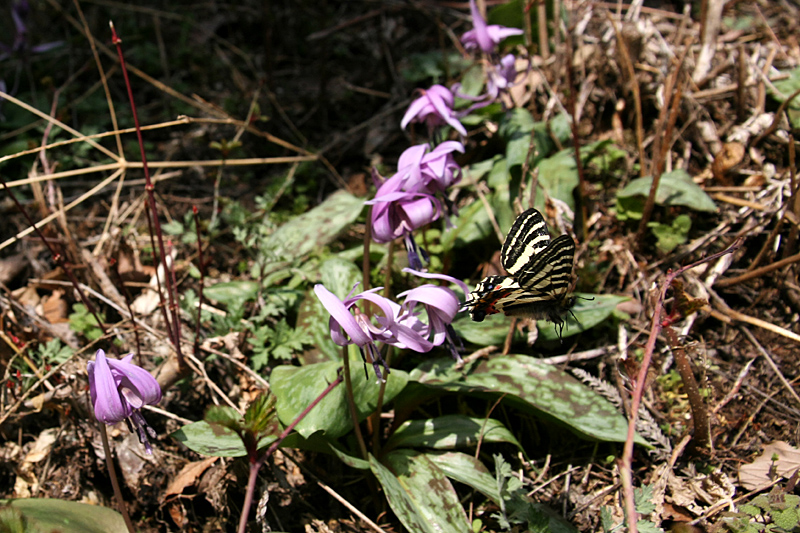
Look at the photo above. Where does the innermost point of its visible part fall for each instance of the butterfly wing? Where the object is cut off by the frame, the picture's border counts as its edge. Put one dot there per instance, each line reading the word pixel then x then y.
pixel 527 238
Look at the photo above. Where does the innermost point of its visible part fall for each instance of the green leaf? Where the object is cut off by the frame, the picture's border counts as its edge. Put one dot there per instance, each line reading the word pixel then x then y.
pixel 671 236
pixel 674 188
pixel 646 526
pixel 203 438
pixel 296 387
pixel 316 228
pixel 785 88
pixel 419 493
pixel 66 516
pixel 467 470
pixel 558 175
pixel 339 277
pixel 590 310
pixel 643 497
pixel 232 293
pixel 541 389
pixel 450 431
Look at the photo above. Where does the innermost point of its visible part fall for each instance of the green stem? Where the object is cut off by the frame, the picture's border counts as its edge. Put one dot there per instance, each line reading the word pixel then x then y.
pixel 112 473
pixel 351 403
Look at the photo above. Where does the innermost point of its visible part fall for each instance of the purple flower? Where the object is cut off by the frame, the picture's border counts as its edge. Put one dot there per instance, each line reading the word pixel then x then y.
pixel 501 76
pixel 356 328
pixel 119 389
pixel 435 108
pixel 397 212
pixel 441 305
pixel 429 172
pixel 483 36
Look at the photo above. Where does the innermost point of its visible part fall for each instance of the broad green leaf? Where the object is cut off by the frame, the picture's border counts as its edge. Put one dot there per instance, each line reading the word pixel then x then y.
pixel 420 490
pixel 67 516
pixel 232 293
pixel 674 188
pixel 296 387
pixel 467 470
pixel 492 330
pixel 215 441
pixel 542 389
pixel 590 310
pixel 471 225
pixel 448 432
pixel 558 175
pixel 401 502
pixel 339 277
pixel 316 228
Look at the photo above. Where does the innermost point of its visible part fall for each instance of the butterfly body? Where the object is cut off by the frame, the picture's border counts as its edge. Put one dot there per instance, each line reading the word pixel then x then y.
pixel 540 272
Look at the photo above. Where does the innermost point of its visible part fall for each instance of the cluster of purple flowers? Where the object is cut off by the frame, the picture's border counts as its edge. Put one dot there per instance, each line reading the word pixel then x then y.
pixel 411 198
pixel 395 324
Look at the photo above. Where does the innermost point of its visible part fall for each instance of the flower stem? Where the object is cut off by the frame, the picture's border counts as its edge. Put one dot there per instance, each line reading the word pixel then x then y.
pixel 351 403
pixel 112 473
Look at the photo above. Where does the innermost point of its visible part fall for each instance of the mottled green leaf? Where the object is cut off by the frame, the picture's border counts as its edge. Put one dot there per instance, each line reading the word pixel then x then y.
pixel 419 493
pixel 448 432
pixel 784 89
pixel 316 228
pixel 47 514
pixel 296 387
pixel 467 470
pixel 590 310
pixel 539 388
pixel 215 441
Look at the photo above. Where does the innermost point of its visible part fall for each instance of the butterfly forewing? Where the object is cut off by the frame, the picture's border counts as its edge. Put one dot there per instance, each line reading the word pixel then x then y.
pixel 527 238
pixel 550 271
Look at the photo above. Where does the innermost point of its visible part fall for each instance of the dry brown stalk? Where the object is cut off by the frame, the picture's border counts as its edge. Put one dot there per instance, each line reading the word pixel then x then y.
pixel 727 282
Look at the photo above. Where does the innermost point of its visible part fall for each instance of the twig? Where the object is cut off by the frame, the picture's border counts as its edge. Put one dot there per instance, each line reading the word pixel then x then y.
pixel 771 363
pixel 625 463
pixel 727 282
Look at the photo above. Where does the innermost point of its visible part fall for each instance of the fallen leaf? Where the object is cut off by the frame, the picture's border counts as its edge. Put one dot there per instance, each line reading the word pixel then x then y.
pixel 188 476
pixel 764 470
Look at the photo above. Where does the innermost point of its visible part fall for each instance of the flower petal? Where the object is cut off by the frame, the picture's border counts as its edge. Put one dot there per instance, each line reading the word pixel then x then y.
pixel 341 318
pixel 109 406
pixel 141 386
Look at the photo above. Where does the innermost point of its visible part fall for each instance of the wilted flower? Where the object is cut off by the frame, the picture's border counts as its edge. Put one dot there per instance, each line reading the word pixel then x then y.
pixel 435 108
pixel 484 36
pixel 119 389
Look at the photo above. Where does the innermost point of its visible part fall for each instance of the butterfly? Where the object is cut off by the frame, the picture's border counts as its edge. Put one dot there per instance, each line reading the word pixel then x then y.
pixel 540 273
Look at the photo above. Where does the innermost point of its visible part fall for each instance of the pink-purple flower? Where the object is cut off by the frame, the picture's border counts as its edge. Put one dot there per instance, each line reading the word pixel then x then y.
pixel 485 36
pixel 435 108
pixel 400 207
pixel 394 324
pixel 119 389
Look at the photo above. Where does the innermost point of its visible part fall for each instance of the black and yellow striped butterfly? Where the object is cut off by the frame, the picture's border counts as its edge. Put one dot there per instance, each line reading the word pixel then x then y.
pixel 540 275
